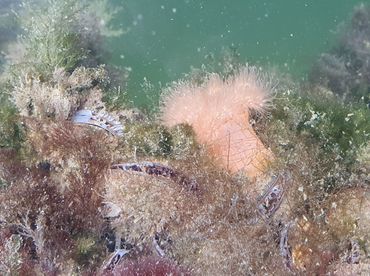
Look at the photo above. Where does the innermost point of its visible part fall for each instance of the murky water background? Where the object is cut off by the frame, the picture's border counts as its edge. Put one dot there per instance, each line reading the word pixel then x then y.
pixel 166 38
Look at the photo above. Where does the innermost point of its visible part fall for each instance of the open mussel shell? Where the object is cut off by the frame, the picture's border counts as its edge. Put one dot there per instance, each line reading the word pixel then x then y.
pixel 82 116
pixel 158 170
pixel 274 202
pixel 99 119
pixel 114 259
pixel 270 201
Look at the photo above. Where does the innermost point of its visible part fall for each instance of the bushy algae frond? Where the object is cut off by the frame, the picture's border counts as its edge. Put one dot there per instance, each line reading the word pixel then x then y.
pixel 61 34
pixel 55 182
pixel 345 69
pixel 63 95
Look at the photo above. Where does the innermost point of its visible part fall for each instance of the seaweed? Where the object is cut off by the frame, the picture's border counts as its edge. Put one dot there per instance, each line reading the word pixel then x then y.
pixel 330 131
pixel 57 208
pixel 11 130
pixel 138 195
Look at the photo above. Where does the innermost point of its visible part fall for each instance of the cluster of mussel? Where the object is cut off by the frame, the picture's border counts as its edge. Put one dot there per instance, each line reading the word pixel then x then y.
pixel 334 240
pixel 112 126
pixel 329 239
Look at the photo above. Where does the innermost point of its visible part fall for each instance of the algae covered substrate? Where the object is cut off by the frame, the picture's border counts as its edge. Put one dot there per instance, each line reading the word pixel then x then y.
pixel 165 39
pixel 253 157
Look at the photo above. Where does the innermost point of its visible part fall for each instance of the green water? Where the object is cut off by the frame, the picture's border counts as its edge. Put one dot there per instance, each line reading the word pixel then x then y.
pixel 166 38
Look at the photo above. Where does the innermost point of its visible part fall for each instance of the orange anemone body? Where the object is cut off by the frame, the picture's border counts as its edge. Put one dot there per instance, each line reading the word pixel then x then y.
pixel 218 111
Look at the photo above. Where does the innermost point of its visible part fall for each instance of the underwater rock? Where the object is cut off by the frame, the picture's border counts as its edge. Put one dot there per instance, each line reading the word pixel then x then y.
pixel 349 212
pixel 148 205
pixel 183 142
pixel 348 218
pixel 312 247
pixel 218 110
pixel 230 249
pixel 131 116
pixel 147 139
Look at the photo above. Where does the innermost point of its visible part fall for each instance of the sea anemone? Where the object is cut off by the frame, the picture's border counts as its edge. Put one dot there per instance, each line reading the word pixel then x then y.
pixel 219 112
